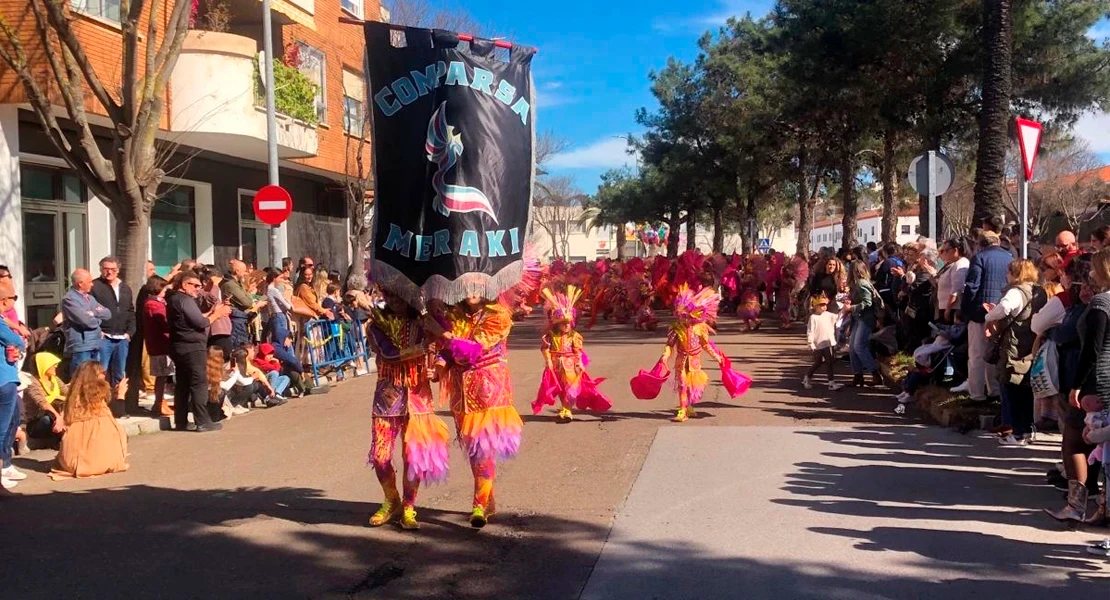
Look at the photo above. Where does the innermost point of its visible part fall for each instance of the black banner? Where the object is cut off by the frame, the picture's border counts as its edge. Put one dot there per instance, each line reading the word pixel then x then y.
pixel 453 131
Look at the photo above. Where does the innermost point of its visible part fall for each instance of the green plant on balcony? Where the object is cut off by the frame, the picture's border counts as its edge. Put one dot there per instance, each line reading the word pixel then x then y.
pixel 294 93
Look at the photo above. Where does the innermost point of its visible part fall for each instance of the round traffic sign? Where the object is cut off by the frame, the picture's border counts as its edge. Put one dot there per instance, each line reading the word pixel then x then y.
pixel 919 174
pixel 273 205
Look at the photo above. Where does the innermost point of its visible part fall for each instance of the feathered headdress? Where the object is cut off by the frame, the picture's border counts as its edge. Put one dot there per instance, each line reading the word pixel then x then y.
pixel 696 307
pixel 560 306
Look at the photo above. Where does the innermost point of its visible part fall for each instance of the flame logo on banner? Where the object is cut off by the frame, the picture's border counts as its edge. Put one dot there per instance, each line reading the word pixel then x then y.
pixel 444 146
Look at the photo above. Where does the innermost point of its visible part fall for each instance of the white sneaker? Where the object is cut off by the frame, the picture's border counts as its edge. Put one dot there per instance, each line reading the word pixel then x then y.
pixel 900 409
pixel 806 383
pixel 13 473
pixel 905 398
pixel 8 483
pixel 1013 442
pixel 963 388
pixel 239 410
pixel 833 386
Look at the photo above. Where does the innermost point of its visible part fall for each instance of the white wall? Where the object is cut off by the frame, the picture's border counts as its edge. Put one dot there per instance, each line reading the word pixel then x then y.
pixel 11 225
pixel 866 226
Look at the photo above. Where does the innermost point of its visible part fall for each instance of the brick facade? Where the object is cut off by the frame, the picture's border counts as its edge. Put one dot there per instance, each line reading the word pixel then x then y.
pixel 342 45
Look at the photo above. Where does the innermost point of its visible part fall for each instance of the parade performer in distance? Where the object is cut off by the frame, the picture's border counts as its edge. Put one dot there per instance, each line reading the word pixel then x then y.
pixel 565 375
pixel 695 314
pixel 474 377
pixel 750 306
pixel 403 409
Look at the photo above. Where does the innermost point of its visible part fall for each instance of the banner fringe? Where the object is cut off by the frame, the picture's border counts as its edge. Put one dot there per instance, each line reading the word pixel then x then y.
pixel 446 290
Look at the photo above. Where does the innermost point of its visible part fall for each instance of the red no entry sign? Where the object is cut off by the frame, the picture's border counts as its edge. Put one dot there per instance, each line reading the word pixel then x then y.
pixel 273 205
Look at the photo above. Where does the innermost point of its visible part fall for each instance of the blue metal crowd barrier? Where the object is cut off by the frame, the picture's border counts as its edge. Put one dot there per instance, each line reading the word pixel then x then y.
pixel 334 344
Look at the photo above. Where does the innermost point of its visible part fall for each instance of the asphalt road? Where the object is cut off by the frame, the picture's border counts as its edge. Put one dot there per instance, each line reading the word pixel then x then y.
pixel 275 505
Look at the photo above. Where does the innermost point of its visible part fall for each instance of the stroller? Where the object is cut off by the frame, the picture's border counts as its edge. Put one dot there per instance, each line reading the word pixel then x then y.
pixel 941 361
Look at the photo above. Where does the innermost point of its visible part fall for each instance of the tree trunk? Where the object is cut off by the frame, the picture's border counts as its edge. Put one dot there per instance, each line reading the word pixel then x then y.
pixel 132 239
pixel 994 112
pixel 718 228
pixel 806 205
pixel 672 237
pixel 691 232
pixel 848 196
pixel 750 232
pixel 890 191
pixel 621 241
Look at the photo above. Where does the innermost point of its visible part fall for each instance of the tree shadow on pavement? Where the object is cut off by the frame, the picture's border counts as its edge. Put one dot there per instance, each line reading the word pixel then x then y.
pixel 669 571
pixel 146 542
pixel 942 517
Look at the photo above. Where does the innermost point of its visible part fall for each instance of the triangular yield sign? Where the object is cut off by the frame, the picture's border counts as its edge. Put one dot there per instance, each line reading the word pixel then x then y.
pixel 1029 137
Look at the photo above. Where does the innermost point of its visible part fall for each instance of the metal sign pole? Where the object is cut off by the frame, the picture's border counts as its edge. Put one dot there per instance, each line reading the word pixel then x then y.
pixel 271 118
pixel 932 193
pixel 1023 192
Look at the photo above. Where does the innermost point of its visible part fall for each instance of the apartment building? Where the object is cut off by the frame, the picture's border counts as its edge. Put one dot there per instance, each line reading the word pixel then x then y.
pixel 213 134
pixel 829 233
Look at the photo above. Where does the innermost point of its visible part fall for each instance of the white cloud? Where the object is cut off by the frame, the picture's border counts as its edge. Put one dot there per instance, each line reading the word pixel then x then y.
pixel 549 96
pixel 607 153
pixel 1095 129
pixel 711 20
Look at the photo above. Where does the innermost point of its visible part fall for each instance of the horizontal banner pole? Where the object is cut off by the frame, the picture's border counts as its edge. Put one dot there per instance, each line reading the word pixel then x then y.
pixel 463 37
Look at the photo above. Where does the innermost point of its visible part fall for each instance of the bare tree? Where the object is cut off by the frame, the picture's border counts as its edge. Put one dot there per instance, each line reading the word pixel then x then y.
pixel 557 209
pixel 424 13
pixel 1067 182
pixel 53 66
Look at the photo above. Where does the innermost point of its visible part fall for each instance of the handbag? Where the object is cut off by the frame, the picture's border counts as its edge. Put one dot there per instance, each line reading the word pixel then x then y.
pixel 1044 374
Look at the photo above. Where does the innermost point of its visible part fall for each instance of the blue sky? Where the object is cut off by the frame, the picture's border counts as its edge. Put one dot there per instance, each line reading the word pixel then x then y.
pixel 591 72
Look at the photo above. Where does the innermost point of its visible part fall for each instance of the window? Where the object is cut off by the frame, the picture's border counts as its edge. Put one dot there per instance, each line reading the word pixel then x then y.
pixel 352 116
pixel 354 97
pixel 172 238
pixel 917 229
pixel 104 9
pixel 353 6
pixel 905 230
pixel 872 230
pixel 51 185
pixel 311 62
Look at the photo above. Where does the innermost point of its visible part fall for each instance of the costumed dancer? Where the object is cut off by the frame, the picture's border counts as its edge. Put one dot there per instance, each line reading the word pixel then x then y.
pixel 645 315
pixel 403 409
pixel 565 376
pixel 694 313
pixel 750 307
pixel 474 378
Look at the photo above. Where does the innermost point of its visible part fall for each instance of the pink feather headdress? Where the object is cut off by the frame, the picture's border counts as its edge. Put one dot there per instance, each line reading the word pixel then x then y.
pixel 560 306
pixel 696 307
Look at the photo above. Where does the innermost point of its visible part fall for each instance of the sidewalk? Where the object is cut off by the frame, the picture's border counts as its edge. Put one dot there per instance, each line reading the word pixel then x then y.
pixel 860 512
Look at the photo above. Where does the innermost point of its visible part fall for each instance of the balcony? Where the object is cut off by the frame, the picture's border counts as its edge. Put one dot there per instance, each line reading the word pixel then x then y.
pixel 212 101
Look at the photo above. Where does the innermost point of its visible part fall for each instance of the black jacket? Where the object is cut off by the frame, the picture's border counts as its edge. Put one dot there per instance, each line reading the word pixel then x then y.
pixel 188 325
pixel 123 310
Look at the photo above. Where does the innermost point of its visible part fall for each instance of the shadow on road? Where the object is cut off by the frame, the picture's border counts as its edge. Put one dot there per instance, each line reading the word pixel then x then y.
pixel 146 542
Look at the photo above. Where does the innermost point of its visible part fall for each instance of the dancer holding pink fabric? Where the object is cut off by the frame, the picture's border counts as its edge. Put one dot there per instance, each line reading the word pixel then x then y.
pixel 689 337
pixel 565 376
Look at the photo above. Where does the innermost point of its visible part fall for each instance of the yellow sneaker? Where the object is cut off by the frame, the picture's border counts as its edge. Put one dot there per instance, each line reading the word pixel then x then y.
pixel 690 411
pixel 478 518
pixel 385 514
pixel 680 416
pixel 565 414
pixel 408 518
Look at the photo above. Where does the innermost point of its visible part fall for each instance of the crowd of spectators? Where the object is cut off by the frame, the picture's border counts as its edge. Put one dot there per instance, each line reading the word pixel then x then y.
pixel 1026 339
pixel 206 344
